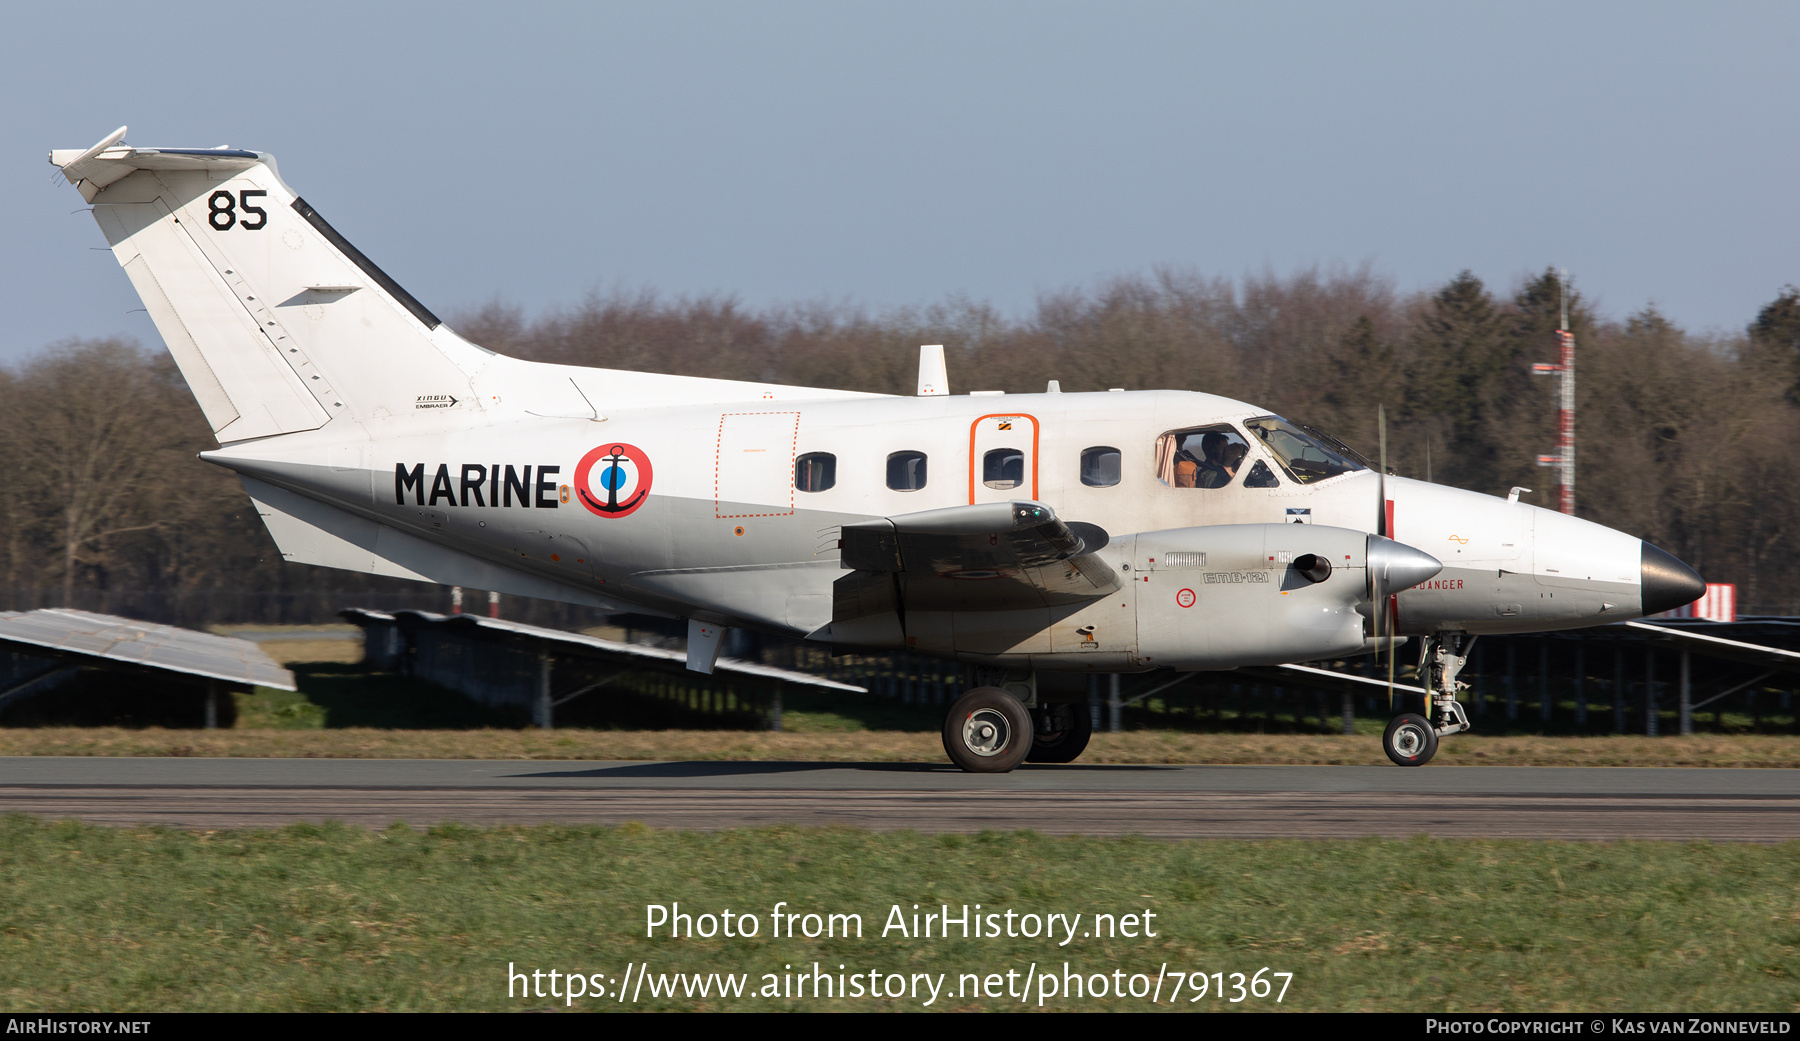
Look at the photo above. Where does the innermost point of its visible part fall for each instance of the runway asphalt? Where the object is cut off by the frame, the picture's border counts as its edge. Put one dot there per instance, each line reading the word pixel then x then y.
pixel 1245 802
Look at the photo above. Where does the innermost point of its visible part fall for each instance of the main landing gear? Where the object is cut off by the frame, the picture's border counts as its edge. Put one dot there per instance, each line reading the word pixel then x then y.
pixel 1002 721
pixel 1063 730
pixel 1411 739
pixel 988 731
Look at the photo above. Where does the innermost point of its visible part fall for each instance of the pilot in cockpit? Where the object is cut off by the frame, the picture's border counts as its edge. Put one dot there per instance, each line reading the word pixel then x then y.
pixel 1213 472
pixel 1204 458
pixel 1230 457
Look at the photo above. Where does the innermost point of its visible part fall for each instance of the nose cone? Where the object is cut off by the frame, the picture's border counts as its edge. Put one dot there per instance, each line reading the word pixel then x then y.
pixel 1668 583
pixel 1394 566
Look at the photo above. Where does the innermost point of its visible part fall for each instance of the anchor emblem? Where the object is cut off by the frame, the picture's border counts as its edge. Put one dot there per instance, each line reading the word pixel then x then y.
pixel 623 475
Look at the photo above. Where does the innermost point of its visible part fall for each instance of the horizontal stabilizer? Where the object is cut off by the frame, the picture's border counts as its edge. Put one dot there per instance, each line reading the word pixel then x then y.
pixel 90 170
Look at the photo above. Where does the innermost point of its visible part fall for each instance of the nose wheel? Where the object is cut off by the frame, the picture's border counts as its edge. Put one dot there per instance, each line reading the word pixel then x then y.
pixel 1409 740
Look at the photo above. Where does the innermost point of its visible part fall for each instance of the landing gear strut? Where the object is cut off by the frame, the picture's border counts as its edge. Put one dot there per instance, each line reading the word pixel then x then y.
pixel 1412 739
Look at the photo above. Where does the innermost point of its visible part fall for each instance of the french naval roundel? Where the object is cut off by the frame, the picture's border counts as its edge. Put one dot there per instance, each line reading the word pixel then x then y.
pixel 613 480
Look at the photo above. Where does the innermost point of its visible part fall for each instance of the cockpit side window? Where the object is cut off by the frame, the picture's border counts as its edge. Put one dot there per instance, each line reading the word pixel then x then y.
pixel 1306 458
pixel 1200 457
pixel 1260 476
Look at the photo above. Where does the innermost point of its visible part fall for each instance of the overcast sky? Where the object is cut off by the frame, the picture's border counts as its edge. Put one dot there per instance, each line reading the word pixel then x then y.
pixel 895 154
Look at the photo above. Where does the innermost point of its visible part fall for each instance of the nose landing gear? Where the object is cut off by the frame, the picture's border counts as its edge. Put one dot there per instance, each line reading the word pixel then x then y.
pixel 1411 739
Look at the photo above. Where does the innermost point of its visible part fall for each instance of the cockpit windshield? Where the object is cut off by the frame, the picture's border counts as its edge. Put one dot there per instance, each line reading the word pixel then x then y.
pixel 1307 455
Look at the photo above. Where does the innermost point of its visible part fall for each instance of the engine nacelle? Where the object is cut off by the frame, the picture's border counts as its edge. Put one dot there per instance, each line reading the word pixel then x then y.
pixel 1203 598
pixel 1222 596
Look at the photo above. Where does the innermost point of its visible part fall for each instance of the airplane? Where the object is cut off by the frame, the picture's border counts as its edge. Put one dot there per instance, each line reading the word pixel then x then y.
pixel 1037 539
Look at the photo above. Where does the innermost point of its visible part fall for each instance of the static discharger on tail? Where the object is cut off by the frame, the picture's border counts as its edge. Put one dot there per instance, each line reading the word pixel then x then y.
pixel 1037 538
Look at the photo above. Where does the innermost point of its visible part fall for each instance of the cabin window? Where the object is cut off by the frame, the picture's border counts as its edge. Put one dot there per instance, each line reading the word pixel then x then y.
pixel 1100 466
pixel 1201 457
pixel 1260 476
pixel 906 471
pixel 815 471
pixel 1306 454
pixel 1003 468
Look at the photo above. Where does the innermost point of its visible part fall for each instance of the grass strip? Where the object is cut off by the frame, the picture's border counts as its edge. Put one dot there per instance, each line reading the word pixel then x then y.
pixel 335 918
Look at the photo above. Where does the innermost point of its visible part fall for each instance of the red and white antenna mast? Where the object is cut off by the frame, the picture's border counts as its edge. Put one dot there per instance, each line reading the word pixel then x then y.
pixel 1564 458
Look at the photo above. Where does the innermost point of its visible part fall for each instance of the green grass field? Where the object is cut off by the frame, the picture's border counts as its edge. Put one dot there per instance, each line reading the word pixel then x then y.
pixel 315 918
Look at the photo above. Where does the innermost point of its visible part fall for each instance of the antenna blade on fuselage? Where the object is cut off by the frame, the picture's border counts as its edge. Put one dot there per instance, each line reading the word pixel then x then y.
pixel 934 377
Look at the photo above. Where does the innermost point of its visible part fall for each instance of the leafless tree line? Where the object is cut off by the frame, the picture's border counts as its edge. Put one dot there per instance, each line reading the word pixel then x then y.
pixel 1686 440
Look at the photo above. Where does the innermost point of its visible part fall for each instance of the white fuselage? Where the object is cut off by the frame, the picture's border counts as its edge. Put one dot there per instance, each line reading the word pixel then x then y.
pixel 722 532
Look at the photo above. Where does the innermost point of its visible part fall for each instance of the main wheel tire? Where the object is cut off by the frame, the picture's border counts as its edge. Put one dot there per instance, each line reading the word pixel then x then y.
pixel 1067 744
pixel 1409 740
pixel 987 731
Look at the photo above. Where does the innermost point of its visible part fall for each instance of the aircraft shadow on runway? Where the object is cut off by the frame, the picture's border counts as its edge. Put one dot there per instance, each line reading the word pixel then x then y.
pixel 739 769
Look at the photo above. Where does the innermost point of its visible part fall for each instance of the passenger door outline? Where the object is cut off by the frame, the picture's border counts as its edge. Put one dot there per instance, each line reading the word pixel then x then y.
pixel 999 430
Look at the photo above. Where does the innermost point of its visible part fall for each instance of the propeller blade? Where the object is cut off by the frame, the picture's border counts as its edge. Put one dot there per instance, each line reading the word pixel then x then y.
pixel 1380 585
pixel 1381 524
pixel 1390 657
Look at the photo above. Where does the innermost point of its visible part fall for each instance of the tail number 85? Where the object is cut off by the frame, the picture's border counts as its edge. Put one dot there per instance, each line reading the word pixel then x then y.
pixel 222 210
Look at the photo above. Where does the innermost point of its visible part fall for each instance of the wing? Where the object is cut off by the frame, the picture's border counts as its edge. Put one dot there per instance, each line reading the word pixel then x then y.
pixel 998 556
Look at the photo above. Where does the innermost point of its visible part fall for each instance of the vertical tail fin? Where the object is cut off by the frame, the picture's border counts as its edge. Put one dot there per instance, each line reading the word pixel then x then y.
pixel 278 324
